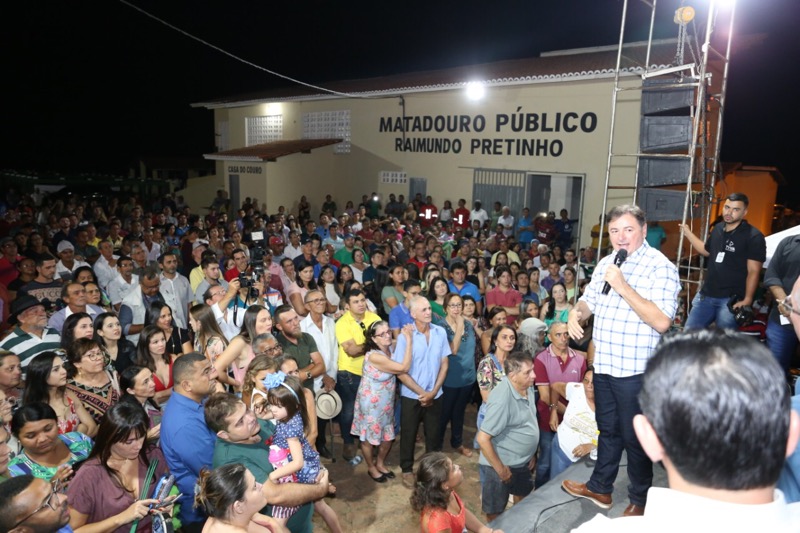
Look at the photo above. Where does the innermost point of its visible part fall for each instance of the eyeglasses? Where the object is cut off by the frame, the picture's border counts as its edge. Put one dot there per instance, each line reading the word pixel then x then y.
pixel 386 333
pixel 94 356
pixel 316 301
pixel 455 306
pixel 51 502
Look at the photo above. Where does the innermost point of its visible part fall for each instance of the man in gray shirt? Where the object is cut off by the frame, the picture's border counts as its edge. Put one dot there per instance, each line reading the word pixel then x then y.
pixel 509 437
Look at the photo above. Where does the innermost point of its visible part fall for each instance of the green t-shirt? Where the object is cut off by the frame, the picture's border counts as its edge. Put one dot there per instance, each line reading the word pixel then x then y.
pixel 301 351
pixel 256 458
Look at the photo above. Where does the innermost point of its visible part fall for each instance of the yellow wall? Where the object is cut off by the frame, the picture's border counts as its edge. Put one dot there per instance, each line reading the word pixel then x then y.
pixel 449 176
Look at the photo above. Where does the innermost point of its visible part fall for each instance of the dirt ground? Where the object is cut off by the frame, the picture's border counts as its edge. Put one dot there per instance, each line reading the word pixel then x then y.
pixel 366 506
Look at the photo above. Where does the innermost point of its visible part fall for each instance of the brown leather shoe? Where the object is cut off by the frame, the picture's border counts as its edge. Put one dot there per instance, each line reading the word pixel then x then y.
pixel 408 480
pixel 579 490
pixel 633 510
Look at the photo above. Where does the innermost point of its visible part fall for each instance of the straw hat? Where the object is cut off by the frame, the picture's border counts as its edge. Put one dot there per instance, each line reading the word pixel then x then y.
pixel 329 404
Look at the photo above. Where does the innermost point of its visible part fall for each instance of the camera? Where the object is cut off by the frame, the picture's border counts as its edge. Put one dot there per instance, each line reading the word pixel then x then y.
pixel 742 315
pixel 257 254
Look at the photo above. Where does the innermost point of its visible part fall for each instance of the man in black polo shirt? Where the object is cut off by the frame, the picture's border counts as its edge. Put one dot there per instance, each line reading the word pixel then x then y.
pixel 735 251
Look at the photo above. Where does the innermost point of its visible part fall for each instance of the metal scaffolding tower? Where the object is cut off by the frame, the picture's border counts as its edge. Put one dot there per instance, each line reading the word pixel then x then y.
pixel 679 140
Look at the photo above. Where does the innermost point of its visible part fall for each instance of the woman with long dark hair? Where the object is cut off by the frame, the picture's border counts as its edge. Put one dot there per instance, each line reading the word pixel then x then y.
pixel 160 314
pixel 137 385
pixel 239 353
pixel 436 500
pixel 557 307
pixel 231 498
pixel 46 382
pixel 105 494
pixel 45 454
pixel 304 280
pixel 119 351
pixel 151 353
pixel 392 292
pixel 326 282
pixel 76 326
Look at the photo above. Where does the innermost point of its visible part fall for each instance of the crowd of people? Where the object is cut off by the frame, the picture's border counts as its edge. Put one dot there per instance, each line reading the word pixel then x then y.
pixel 140 343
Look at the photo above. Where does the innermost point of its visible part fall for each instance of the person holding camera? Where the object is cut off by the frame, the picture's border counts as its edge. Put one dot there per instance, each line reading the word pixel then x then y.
pixel 735 252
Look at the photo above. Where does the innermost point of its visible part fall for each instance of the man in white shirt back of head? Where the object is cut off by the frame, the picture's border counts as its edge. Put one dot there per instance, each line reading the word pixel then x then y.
pixel 716 412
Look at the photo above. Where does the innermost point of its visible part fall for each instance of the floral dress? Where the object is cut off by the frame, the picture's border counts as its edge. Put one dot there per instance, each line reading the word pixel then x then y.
pixel 373 415
pixel 69 423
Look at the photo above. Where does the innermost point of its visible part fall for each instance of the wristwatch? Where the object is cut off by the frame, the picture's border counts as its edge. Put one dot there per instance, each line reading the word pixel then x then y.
pixel 308 374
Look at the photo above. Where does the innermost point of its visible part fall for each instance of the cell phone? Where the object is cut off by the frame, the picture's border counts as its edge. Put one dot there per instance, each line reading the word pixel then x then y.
pixel 169 500
pixel 162 489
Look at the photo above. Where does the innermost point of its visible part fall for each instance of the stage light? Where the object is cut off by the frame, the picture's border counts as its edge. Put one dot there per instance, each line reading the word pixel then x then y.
pixel 475 90
pixel 684 15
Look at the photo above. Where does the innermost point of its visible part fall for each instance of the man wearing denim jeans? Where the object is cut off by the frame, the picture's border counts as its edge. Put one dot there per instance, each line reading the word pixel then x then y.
pixel 782 272
pixel 350 334
pixel 735 252
pixel 629 319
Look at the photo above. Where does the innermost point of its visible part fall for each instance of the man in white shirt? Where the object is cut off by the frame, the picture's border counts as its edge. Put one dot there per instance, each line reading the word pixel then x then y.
pixel 67 263
pixel 478 214
pixel 294 248
pixel 716 412
pixel 125 282
pixel 106 265
pixel 323 329
pixel 175 289
pixel 507 220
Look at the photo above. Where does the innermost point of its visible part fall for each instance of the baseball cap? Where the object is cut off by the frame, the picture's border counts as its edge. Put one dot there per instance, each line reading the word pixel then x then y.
pixel 198 243
pixel 64 245
pixel 275 240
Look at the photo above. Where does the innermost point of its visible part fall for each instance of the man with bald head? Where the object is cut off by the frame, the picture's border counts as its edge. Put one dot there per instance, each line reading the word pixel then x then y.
pixel 421 391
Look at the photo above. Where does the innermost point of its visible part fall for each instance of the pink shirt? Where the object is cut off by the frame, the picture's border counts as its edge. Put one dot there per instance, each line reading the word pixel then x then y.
pixel 550 369
pixel 510 298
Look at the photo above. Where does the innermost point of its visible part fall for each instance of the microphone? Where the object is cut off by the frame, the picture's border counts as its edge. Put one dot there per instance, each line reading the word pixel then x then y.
pixel 622 255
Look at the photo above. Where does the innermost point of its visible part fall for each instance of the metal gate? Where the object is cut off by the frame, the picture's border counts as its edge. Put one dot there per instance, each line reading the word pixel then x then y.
pixel 508 187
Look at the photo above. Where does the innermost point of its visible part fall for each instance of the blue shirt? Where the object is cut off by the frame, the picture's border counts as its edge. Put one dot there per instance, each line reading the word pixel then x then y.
pixel 188 446
pixel 525 236
pixel 426 358
pixel 789 482
pixel 400 316
pixel 469 289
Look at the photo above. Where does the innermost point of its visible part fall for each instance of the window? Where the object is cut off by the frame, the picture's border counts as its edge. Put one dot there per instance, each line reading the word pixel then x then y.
pixel 222 140
pixel 329 125
pixel 264 129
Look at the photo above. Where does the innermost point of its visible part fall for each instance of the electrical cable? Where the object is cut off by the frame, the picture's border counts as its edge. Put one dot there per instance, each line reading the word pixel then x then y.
pixel 242 60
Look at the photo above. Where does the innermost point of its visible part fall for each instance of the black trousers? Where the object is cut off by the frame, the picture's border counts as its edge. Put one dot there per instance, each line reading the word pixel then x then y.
pixel 412 413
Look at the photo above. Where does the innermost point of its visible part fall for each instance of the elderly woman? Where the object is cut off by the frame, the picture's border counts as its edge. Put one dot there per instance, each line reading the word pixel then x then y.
pixel 89 379
pixel 557 363
pixel 46 382
pixel 45 453
pixel 373 418
pixel 460 378
pixel 105 493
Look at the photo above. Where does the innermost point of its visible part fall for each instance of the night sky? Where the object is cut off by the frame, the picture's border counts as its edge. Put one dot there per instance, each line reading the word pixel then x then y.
pixel 93 85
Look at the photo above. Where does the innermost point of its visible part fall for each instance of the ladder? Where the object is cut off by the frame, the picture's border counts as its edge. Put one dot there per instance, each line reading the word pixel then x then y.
pixel 676 148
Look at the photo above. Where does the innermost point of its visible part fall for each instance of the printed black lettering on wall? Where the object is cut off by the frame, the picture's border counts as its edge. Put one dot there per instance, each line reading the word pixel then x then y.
pixel 521 133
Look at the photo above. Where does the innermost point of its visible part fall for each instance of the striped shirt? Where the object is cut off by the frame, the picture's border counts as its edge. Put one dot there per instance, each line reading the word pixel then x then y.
pixel 623 342
pixel 28 346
